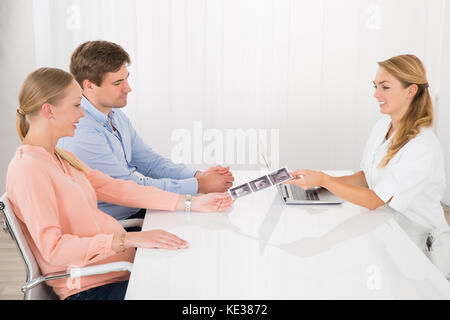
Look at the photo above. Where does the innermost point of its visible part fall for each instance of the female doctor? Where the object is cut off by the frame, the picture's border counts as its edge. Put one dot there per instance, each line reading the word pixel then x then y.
pixel 402 164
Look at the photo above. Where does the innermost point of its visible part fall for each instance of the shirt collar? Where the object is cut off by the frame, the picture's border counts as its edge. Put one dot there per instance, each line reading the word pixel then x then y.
pixel 95 113
pixel 388 127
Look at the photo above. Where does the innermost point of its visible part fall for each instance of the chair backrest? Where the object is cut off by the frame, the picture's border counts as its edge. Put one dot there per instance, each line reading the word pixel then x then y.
pixel 42 291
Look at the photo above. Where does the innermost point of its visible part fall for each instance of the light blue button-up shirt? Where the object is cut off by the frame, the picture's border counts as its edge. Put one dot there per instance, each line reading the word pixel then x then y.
pixel 123 155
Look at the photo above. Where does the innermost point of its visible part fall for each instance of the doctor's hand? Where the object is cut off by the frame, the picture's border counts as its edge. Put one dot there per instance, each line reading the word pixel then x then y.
pixel 212 202
pixel 306 179
pixel 215 179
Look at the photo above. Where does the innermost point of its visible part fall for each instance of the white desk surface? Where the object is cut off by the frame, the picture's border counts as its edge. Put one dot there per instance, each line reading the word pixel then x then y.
pixel 263 249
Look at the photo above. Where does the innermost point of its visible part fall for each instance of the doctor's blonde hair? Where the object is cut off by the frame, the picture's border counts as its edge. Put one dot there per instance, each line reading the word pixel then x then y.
pixel 44 85
pixel 408 69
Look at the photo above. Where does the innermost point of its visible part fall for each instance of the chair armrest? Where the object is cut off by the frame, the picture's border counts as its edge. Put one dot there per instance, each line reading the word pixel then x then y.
pixel 81 272
pixel 132 223
pixel 101 269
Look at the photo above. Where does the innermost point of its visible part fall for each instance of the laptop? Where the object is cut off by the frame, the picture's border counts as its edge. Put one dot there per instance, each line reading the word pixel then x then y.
pixel 292 194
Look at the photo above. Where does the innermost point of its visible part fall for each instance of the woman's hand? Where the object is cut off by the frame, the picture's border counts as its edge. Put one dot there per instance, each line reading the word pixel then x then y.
pixel 306 179
pixel 154 239
pixel 212 202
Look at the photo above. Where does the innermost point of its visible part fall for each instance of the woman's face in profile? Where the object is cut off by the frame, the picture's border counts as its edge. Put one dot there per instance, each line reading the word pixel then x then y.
pixel 68 111
pixel 392 97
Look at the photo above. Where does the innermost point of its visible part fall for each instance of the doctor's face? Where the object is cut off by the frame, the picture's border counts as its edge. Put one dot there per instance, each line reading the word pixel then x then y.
pixel 393 98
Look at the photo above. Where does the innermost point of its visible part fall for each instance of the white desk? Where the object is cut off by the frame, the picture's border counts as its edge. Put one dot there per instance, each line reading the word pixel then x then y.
pixel 263 249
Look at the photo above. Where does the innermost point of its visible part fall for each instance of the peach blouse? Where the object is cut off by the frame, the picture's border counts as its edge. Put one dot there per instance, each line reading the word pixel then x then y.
pixel 60 219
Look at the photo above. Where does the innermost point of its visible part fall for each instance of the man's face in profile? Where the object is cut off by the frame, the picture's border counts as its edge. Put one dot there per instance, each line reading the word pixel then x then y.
pixel 113 91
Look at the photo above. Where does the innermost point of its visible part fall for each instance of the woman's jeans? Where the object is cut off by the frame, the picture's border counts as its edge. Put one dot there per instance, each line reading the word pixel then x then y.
pixel 112 291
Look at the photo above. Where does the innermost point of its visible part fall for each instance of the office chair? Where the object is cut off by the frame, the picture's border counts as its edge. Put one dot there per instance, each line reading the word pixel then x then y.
pixel 437 249
pixel 35 287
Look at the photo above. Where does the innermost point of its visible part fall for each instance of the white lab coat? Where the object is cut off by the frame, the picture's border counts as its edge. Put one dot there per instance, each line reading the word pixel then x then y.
pixel 414 179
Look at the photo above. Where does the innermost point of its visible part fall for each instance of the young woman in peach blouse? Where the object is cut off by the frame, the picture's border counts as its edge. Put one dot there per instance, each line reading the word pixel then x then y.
pixel 55 195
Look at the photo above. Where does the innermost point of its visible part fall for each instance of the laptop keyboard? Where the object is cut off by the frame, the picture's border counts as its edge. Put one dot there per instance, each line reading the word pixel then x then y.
pixel 300 194
pixel 312 195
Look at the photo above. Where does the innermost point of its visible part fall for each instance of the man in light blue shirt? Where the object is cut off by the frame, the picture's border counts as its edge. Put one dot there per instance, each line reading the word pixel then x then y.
pixel 106 140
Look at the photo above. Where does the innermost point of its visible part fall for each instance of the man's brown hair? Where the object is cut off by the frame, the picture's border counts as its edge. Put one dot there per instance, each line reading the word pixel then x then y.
pixel 92 59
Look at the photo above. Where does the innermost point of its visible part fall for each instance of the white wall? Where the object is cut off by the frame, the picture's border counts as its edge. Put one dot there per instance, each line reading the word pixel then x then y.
pixel 16 61
pixel 443 113
pixel 304 68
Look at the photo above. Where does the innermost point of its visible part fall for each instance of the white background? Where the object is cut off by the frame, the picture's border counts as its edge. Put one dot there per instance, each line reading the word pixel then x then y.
pixel 302 69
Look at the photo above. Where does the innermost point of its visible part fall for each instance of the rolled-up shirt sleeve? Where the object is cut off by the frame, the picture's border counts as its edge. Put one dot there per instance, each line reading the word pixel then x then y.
pixel 404 179
pixel 40 213
pixel 167 175
pixel 152 164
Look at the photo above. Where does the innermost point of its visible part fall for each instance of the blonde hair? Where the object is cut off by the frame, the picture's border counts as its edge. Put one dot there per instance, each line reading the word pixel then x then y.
pixel 408 69
pixel 44 85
